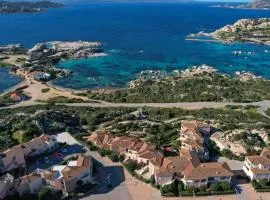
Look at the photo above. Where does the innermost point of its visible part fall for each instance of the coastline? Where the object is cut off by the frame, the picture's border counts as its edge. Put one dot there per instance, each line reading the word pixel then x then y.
pixel 13 88
pixel 50 84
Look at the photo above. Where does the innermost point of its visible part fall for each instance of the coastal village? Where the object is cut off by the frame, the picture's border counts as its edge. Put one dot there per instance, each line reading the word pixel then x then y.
pixel 190 167
pixel 205 160
pixel 190 133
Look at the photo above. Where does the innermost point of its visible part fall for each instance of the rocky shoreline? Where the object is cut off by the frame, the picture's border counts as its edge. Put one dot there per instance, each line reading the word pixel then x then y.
pixel 39 61
pixel 244 30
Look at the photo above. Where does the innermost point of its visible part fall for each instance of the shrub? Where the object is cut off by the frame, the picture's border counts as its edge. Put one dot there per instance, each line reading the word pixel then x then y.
pixel 45 90
pixel 113 157
pixel 255 184
pixel 186 193
pixel 169 190
pixel 93 148
pixel 102 152
pixel 131 165
pixel 262 190
pixel 153 180
pixel 223 192
pixel 203 193
pixel 263 183
pixel 121 158
pixel 220 187
pixel 47 193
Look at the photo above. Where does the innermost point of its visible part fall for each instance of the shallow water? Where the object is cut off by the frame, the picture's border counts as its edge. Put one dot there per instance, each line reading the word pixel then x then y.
pixel 137 37
pixel 7 80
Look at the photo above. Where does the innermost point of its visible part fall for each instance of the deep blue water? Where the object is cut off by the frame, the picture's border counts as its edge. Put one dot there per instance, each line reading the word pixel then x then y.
pixel 137 37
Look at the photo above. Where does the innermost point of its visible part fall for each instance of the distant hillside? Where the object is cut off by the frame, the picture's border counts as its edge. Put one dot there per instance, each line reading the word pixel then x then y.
pixel 255 4
pixel 259 4
pixel 27 7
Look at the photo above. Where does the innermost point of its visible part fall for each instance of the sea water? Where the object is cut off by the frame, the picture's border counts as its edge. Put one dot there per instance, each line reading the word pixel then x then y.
pixel 136 37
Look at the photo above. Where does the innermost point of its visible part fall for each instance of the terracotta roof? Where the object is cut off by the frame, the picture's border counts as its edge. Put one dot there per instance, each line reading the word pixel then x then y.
pixel 27 179
pixel 154 156
pixel 102 137
pixel 15 97
pixel 172 165
pixel 256 160
pixel 137 146
pixel 194 144
pixel 266 152
pixel 258 171
pixel 207 170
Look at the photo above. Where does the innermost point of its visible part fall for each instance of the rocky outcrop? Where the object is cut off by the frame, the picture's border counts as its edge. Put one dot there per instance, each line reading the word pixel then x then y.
pixel 249 30
pixel 41 58
pixel 244 30
pixel 12 49
pixel 51 52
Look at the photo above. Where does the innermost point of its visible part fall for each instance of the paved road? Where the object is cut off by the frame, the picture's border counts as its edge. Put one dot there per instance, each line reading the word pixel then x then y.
pixel 186 105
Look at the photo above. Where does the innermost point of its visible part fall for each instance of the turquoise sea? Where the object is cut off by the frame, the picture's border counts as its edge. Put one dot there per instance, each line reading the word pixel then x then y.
pixel 136 37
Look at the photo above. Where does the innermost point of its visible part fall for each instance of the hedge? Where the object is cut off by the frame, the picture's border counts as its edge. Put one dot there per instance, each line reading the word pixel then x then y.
pixel 262 190
pixel 223 192
pixel 186 193
pixel 202 193
pixel 206 193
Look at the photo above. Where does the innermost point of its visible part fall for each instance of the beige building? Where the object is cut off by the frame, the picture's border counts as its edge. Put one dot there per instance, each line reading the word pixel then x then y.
pixel 192 137
pixel 132 148
pixel 99 139
pixel 14 157
pixel 197 174
pixel 68 177
pixel 258 167
pixel 31 183
pixel 170 170
pixel 39 145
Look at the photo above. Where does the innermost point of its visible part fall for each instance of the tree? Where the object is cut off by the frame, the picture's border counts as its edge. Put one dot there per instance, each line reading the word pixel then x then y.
pixel 113 157
pixel 44 194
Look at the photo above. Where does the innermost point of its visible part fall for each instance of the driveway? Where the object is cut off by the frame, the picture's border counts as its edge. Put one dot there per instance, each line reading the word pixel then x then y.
pixel 72 148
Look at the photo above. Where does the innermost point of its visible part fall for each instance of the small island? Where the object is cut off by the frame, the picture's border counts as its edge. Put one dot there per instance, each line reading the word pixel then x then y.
pixel 244 30
pixel 27 7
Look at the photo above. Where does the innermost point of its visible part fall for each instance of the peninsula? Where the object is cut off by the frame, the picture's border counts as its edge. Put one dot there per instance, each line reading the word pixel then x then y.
pixel 37 67
pixel 244 30
pixel 27 7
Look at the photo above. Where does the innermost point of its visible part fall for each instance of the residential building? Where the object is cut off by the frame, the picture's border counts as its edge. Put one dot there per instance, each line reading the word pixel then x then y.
pixel 31 183
pixel 198 174
pixel 192 137
pixel 14 157
pixel 68 177
pixel 6 185
pixel 258 167
pixel 40 145
pixel 170 170
pixel 99 139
